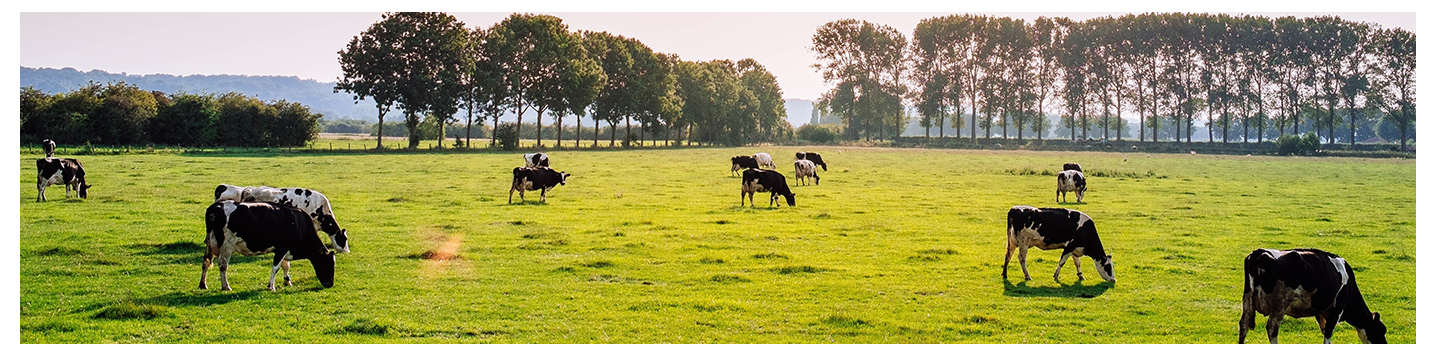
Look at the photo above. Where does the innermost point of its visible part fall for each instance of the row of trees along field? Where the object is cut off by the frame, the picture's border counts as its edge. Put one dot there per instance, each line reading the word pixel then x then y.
pixel 432 65
pixel 119 113
pixel 1239 72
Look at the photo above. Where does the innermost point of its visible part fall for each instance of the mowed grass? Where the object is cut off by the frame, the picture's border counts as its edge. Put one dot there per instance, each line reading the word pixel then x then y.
pixel 651 246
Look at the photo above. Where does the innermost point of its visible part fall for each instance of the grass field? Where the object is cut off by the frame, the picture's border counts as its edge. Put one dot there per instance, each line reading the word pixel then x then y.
pixel 650 246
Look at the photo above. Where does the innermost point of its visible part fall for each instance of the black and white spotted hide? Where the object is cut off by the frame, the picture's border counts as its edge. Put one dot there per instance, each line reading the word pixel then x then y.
pixel 1301 283
pixel 253 229
pixel 814 157
pixel 743 162
pixel 535 159
pixel 49 146
pixel 758 180
pixel 1071 166
pixel 763 159
pixel 56 171
pixel 539 178
pixel 1070 181
pixel 308 200
pixel 806 169
pixel 1051 228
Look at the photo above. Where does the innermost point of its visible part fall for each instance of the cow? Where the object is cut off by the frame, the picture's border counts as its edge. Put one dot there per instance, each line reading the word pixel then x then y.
pixel 814 157
pixel 254 229
pixel 49 146
pixel 757 180
pixel 1071 166
pixel 535 159
pixel 1305 282
pixel 1050 228
pixel 742 161
pixel 806 169
pixel 1070 181
pixel 56 171
pixel 763 159
pixel 309 200
pixel 540 178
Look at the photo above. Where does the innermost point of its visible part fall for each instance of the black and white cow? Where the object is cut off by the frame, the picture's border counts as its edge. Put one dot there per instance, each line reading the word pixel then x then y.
pixel 535 159
pixel 56 171
pixel 763 159
pixel 49 146
pixel 1070 181
pixel 540 179
pixel 254 229
pixel 1301 283
pixel 308 200
pixel 806 169
pixel 1052 228
pixel 814 157
pixel 758 180
pixel 743 162
pixel 1071 166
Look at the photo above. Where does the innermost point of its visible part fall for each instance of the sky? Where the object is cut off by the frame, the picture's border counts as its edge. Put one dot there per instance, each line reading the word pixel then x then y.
pixel 306 44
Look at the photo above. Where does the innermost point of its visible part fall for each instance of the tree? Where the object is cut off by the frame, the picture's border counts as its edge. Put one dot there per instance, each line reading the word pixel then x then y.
pixel 1393 89
pixel 868 58
pixel 771 111
pixel 581 80
pixel 372 66
pixel 481 82
pixel 189 120
pixel 413 60
pixel 537 51
pixel 614 99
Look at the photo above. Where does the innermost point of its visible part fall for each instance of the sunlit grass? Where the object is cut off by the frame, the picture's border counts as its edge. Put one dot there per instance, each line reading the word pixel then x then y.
pixel 650 246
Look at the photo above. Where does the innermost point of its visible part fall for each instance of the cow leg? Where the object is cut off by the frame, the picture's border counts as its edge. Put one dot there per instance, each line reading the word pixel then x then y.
pixel 223 262
pixel 510 196
pixel 67 190
pixel 274 270
pixel 1079 276
pixel 285 266
pixel 543 195
pixel 41 186
pixel 1057 275
pixel 209 253
pixel 1273 325
pixel 1021 257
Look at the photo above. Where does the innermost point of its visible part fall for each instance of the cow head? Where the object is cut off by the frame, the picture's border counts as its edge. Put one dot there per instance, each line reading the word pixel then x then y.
pixel 1106 268
pixel 1374 332
pixel 324 268
pixel 563 178
pixel 791 199
pixel 84 190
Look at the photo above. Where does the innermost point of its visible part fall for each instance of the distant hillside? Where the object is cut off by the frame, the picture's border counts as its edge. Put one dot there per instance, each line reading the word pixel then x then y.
pixel 319 96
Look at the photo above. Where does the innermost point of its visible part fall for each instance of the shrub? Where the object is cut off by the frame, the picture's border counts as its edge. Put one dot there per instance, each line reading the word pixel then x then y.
pixel 817 133
pixel 1298 145
pixel 507 136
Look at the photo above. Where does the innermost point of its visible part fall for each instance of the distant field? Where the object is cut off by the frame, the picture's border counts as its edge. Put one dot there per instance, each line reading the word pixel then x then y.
pixel 650 246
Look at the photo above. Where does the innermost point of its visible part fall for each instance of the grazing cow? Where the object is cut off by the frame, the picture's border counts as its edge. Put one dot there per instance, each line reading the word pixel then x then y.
pixel 742 161
pixel 1070 181
pixel 763 159
pixel 1305 282
pixel 535 159
pixel 49 146
pixel 1051 228
pixel 254 229
pixel 757 180
pixel 540 178
pixel 814 157
pixel 56 171
pixel 805 169
pixel 309 200
pixel 1071 166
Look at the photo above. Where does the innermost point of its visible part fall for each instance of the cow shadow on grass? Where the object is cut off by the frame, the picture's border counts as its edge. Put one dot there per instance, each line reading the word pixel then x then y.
pixel 525 203
pixel 1078 290
pixel 197 298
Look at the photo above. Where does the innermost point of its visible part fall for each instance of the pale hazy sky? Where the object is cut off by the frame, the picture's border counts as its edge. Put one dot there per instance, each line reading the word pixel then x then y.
pixel 306 44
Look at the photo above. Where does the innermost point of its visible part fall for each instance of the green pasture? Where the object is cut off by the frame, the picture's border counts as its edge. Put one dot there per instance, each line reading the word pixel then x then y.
pixel 651 246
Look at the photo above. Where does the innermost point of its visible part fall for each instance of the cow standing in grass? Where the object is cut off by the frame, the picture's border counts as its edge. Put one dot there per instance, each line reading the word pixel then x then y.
pixel 1070 181
pixel 814 157
pixel 49 146
pixel 254 229
pixel 1301 283
pixel 308 200
pixel 56 171
pixel 806 169
pixel 1051 228
pixel 743 162
pixel 540 179
pixel 757 180
pixel 763 159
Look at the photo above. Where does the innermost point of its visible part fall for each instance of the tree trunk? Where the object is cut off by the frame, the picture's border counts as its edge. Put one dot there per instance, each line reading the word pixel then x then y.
pixel 539 136
pixel 412 121
pixel 558 123
pixel 381 128
pixel 595 132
